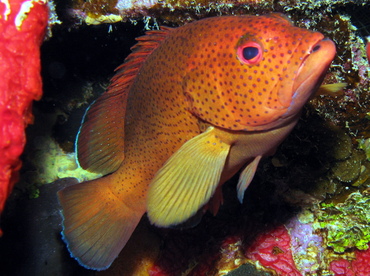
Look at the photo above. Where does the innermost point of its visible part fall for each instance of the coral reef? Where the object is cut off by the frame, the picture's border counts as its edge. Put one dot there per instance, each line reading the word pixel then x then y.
pixel 358 266
pixel 181 11
pixel 272 250
pixel 347 223
pixel 45 160
pixel 22 28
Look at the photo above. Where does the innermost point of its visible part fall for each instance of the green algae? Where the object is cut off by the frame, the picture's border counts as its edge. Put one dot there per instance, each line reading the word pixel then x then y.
pixel 347 223
pixel 50 163
pixel 364 144
pixel 33 191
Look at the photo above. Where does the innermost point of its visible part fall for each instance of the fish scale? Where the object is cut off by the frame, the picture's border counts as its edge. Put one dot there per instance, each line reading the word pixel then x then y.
pixel 248 110
pixel 188 109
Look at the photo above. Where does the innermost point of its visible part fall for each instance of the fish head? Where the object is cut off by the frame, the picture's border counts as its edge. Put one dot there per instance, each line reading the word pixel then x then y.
pixel 254 73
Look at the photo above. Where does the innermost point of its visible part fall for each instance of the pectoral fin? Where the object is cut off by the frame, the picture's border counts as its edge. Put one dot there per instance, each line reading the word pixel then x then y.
pixel 246 177
pixel 187 180
pixel 333 89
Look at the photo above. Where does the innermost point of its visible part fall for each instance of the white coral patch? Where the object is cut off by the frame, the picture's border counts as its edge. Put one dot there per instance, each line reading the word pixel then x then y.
pixel 24 11
pixel 7 8
pixel 130 4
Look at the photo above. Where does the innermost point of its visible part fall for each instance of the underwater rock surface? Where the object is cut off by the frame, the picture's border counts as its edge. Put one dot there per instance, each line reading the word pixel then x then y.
pixel 181 11
pixel 305 213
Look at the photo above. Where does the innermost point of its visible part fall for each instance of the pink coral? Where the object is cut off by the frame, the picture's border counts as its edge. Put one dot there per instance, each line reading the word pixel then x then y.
pixel 359 267
pixel 272 250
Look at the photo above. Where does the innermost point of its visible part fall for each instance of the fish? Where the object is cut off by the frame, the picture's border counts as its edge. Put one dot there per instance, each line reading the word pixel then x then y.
pixel 331 90
pixel 368 49
pixel 189 108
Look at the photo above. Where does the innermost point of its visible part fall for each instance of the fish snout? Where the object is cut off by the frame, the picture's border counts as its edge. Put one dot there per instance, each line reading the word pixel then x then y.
pixel 311 72
pixel 314 67
pixel 326 45
pixel 314 58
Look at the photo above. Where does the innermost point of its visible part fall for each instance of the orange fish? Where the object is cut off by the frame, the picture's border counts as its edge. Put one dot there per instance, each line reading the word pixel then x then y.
pixel 188 109
pixel 368 49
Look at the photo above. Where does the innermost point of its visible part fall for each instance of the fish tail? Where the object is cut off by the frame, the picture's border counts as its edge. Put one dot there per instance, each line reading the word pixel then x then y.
pixel 96 224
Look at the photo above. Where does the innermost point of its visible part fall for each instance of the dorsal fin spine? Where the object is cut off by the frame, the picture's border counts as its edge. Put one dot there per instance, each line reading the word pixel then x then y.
pixel 127 72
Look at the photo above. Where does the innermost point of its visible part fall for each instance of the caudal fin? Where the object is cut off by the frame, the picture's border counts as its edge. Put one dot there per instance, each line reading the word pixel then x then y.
pixel 96 224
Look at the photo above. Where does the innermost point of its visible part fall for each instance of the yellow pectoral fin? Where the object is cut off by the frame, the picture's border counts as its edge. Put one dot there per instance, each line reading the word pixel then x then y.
pixel 187 180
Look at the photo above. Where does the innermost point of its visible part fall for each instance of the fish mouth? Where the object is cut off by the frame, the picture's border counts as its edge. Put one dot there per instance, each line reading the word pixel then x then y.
pixel 311 72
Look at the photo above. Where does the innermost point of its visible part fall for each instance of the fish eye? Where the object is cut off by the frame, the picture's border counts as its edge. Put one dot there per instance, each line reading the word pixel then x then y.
pixel 249 53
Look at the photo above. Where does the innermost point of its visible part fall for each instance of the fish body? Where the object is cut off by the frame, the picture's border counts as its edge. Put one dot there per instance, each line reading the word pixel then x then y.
pixel 368 49
pixel 188 109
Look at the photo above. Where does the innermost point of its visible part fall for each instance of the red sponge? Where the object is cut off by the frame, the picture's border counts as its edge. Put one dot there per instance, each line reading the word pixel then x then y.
pixel 22 28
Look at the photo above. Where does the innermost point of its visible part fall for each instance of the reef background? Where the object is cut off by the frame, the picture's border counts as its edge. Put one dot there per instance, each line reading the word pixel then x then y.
pixel 305 213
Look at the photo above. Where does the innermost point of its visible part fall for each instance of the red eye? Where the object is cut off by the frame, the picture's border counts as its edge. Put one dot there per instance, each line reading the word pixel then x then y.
pixel 250 53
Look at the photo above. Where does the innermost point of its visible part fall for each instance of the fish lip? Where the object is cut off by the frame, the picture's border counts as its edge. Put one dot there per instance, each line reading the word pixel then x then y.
pixel 284 97
pixel 324 48
pixel 311 72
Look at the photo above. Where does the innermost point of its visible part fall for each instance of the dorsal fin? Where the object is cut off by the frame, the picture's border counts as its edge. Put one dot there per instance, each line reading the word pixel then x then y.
pixel 100 141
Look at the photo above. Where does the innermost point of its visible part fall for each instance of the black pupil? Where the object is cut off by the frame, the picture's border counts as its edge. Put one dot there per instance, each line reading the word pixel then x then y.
pixel 250 52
